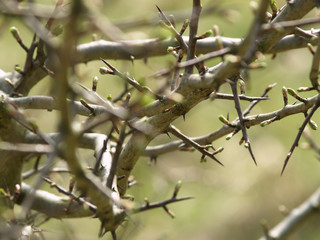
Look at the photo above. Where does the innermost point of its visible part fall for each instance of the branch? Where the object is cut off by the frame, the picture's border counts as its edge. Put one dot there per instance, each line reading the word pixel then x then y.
pixel 196 10
pixel 172 129
pixel 304 124
pixel 52 205
pixel 295 218
pixel 225 129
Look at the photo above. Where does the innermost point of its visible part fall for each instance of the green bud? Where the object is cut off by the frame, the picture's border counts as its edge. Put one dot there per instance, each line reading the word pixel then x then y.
pixel 223 119
pixel 58 30
pixel 219 150
pixel 313 125
pixel 246 145
pixel 17 68
pixel 229 136
pixel 292 92
pixel 170 49
pixel 109 97
pixel 265 123
pixel 15 33
pixel 273 5
pixel 186 23
pixel 208 33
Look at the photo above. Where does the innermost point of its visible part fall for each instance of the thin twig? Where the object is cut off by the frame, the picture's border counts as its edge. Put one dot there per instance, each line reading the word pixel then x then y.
pixel 241 119
pixel 179 38
pixel 194 21
pixel 132 82
pixel 301 129
pixel 70 194
pixel 249 108
pixel 242 97
pixel 208 56
pixel 116 156
pixel 159 204
pixel 290 24
pixel 172 129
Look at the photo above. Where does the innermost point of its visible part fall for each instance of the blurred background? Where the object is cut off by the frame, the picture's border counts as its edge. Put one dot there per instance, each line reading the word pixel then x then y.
pixel 231 201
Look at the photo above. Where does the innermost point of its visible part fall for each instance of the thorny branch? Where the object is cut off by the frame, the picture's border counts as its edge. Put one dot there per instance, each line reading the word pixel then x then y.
pixel 194 89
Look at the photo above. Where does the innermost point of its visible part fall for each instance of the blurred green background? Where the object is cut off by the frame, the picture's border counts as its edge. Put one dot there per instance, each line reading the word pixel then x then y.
pixel 229 202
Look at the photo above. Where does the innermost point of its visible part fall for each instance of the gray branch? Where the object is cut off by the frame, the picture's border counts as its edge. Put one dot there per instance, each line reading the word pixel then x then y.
pixel 295 218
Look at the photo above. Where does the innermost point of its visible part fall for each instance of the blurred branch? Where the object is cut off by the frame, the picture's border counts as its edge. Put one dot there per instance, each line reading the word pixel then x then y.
pixel 295 218
pixel 179 15
pixel 193 27
pixel 49 103
pixel 53 205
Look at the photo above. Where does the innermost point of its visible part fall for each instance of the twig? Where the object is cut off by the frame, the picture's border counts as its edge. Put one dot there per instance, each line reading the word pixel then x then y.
pixel 101 152
pixel 241 97
pixel 194 21
pixel 177 35
pixel 241 119
pixel 290 24
pixel 224 130
pixel 249 108
pixel 189 141
pixel 163 204
pixel 132 82
pixel 116 156
pixel 70 194
pixel 296 141
pixel 32 172
pixel 208 56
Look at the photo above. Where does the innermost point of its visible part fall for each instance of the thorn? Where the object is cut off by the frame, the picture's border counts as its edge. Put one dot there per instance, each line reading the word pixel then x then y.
pixel 168 135
pixel 286 162
pixel 184 117
pixel 248 145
